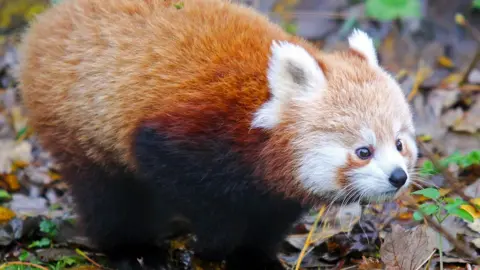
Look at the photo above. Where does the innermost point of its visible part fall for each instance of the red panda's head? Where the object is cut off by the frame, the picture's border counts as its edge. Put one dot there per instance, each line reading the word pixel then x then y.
pixel 353 136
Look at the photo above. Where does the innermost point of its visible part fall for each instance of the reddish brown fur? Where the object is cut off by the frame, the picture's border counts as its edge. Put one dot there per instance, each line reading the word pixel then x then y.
pixel 118 63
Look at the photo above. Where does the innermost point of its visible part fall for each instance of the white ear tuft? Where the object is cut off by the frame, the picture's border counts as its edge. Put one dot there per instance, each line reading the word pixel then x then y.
pixel 292 70
pixel 292 74
pixel 362 43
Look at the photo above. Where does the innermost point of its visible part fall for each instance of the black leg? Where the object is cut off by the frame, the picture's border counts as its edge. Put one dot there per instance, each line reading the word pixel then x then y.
pixel 264 235
pixel 252 258
pixel 117 213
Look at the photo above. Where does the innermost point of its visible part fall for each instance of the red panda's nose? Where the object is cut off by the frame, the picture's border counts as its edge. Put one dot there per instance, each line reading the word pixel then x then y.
pixel 398 178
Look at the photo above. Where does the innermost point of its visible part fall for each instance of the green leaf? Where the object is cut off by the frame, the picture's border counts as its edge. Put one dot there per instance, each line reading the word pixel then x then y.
pixel 428 169
pixel 456 158
pixel 4 195
pixel 179 5
pixel 386 10
pixel 475 154
pixel 454 205
pixel 23 255
pixel 48 227
pixel 21 132
pixel 70 260
pixel 417 216
pixel 290 28
pixel 462 214
pixel 429 209
pixel 44 242
pixel 476 4
pixel 431 193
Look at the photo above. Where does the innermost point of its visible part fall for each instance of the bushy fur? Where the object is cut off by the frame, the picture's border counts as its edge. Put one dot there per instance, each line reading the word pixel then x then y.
pixel 208 113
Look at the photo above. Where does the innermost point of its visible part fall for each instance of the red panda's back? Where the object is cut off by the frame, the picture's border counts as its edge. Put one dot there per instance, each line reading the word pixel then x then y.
pixel 92 69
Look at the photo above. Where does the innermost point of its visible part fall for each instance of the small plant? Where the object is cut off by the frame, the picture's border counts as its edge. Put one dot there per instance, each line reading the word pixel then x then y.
pixel 463 161
pixel 386 10
pixel 50 230
pixel 476 4
pixel 440 207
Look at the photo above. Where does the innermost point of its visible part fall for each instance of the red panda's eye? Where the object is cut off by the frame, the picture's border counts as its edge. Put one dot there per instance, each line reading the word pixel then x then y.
pixel 363 153
pixel 399 145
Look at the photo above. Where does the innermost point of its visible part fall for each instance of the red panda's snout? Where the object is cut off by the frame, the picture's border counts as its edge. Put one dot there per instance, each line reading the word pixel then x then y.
pixel 354 137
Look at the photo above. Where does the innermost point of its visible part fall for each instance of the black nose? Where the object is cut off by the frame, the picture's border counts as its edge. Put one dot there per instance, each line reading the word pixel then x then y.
pixel 398 178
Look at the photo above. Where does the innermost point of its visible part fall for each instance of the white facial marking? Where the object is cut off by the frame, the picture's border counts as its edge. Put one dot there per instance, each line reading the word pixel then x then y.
pixel 293 74
pixel 369 136
pixel 362 43
pixel 319 165
pixel 373 178
pixel 412 147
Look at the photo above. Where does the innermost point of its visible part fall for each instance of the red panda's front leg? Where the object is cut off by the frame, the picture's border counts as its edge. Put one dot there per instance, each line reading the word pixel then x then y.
pixel 117 214
pixel 231 211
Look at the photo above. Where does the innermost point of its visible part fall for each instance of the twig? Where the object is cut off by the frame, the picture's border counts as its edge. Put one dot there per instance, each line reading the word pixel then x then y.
pixel 307 241
pixel 81 253
pixel 462 248
pixel 451 180
pixel 470 88
pixel 460 19
pixel 470 67
pixel 3 266
pixel 420 76
pixel 428 260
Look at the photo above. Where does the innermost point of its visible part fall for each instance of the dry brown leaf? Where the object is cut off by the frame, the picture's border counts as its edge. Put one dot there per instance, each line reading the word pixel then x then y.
pixel 476 242
pixel 12 182
pixel 444 61
pixel 470 122
pixel 19 120
pixel 407 249
pixel 6 214
pixel 370 263
pixel 475 225
pixel 11 151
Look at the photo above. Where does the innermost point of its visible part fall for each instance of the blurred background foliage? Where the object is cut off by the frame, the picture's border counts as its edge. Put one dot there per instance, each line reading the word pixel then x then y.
pixel 14 13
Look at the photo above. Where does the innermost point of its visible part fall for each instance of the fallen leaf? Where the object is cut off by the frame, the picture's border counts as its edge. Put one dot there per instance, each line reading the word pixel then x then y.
pixel 370 263
pixel 470 120
pixel 24 205
pixel 11 152
pixel 451 79
pixel 12 182
pixel 475 225
pixel 445 62
pixel 407 249
pixel 6 214
pixel 18 119
pixel 476 242
pixel 474 76
pixel 470 209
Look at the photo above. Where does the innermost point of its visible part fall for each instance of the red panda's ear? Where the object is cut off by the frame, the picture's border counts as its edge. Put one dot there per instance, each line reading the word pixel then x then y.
pixel 292 74
pixel 360 42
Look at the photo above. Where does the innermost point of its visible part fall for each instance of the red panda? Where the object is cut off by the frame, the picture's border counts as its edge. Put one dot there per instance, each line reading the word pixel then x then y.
pixel 207 112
